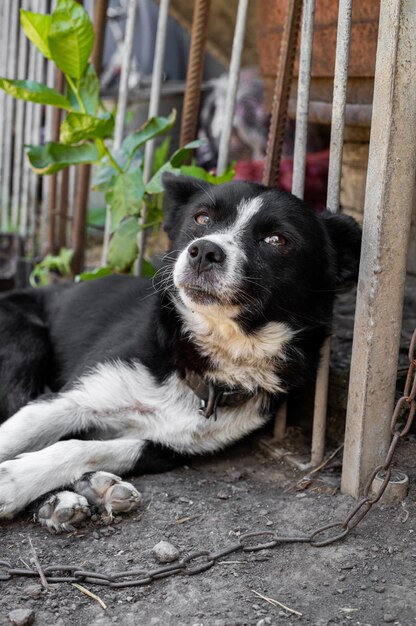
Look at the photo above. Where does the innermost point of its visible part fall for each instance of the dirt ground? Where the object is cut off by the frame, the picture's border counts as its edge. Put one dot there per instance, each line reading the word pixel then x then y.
pixel 367 579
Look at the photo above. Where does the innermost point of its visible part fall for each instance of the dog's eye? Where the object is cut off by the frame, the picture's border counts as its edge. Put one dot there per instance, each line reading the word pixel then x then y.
pixel 275 240
pixel 202 218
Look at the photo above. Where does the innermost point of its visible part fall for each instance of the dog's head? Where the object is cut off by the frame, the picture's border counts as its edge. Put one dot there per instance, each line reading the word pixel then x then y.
pixel 256 253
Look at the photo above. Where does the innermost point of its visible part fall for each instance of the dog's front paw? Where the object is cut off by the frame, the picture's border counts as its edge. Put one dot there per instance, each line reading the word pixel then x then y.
pixel 63 511
pixel 108 492
pixel 14 488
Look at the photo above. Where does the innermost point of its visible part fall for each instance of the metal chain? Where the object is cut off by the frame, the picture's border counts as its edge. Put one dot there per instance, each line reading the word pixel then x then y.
pixel 203 560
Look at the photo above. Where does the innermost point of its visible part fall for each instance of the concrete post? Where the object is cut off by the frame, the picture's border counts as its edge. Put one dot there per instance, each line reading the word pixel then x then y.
pixel 387 214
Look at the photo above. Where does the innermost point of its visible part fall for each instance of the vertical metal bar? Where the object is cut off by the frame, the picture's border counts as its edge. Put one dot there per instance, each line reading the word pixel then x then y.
pixel 233 76
pixel 302 105
pixel 84 171
pixel 387 215
pixel 10 106
pixel 4 45
pixel 338 104
pixel 334 186
pixel 18 136
pixel 121 104
pixel 125 72
pixel 27 174
pixel 157 74
pixel 190 110
pixel 281 94
pixel 47 180
pixel 282 91
pixel 53 196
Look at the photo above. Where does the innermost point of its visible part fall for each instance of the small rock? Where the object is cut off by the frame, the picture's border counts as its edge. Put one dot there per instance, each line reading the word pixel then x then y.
pixel 388 618
pixel 22 617
pixel 269 523
pixel 33 591
pixel 222 495
pixel 165 552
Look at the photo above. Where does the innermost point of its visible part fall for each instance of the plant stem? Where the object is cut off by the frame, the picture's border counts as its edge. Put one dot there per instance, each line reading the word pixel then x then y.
pixel 76 93
pixel 107 152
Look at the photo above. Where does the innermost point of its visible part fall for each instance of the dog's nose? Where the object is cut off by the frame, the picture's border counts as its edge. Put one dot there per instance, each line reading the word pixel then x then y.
pixel 204 253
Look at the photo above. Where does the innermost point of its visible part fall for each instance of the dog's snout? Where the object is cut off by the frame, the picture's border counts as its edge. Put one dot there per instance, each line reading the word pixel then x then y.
pixel 204 253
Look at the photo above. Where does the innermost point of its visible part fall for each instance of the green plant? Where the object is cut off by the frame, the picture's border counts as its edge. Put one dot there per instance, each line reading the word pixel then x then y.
pixel 66 37
pixel 59 265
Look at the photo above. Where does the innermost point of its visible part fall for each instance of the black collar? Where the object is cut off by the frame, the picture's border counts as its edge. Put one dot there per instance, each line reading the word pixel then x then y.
pixel 213 396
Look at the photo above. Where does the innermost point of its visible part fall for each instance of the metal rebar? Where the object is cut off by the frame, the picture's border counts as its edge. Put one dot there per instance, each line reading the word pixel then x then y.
pixel 334 186
pixel 123 95
pixel 46 180
pixel 302 108
pixel 157 75
pixel 53 197
pixel 233 77
pixel 387 217
pixel 190 110
pixel 282 91
pixel 83 175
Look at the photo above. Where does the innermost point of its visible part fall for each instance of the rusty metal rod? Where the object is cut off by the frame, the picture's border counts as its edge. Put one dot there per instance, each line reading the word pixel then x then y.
pixel 190 110
pixel 84 171
pixel 52 197
pixel 334 187
pixel 281 94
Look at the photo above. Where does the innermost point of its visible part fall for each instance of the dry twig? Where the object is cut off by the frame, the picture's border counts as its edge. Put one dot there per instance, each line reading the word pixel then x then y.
pixel 277 603
pixel 90 594
pixel 38 566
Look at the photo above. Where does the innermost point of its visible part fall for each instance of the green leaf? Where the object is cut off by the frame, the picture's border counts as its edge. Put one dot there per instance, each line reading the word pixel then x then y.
pixel 78 127
pixel 51 157
pixel 36 27
pixel 123 245
pixel 61 264
pixel 199 172
pixel 99 272
pixel 161 154
pixel 152 128
pixel 71 38
pixel 155 183
pixel 125 196
pixel 182 154
pixel 32 91
pixel 147 269
pixel 103 178
pixel 89 91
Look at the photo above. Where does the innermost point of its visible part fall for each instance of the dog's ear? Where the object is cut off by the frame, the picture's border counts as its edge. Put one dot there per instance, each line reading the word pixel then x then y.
pixel 178 191
pixel 345 236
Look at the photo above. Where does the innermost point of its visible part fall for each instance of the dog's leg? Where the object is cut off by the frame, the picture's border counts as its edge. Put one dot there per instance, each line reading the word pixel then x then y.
pixel 99 401
pixel 34 474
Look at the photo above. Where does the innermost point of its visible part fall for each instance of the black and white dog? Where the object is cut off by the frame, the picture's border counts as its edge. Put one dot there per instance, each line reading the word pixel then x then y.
pixel 143 375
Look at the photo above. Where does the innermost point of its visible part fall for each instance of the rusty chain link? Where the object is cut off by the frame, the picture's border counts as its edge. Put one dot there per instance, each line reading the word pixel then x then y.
pixel 202 560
